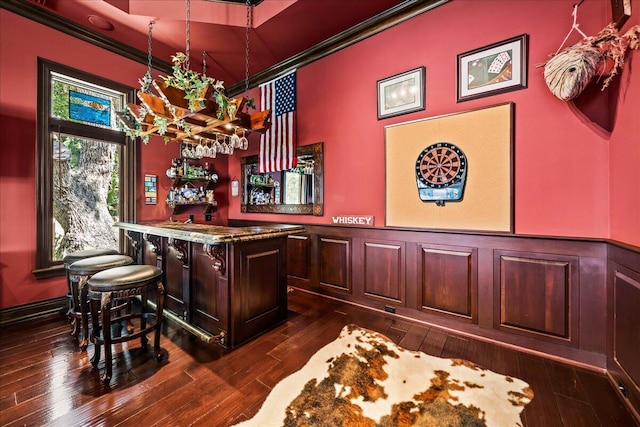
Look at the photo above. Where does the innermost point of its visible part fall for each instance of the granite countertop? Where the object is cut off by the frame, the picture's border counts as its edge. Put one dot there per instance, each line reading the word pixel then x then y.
pixel 210 234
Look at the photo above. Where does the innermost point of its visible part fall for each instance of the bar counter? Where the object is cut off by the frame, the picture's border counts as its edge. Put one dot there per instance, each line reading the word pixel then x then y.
pixel 210 234
pixel 223 284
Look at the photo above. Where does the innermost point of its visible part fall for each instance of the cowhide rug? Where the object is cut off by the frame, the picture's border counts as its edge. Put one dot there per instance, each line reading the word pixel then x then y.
pixel 364 379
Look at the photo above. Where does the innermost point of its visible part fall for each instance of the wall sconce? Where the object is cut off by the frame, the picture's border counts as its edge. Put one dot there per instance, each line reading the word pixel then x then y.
pixel 235 187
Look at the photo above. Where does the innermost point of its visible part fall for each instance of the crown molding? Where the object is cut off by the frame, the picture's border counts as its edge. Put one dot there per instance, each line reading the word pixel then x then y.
pixel 43 16
pixel 381 22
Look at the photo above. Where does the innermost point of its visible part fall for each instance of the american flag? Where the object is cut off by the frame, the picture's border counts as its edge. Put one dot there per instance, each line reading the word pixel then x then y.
pixel 278 144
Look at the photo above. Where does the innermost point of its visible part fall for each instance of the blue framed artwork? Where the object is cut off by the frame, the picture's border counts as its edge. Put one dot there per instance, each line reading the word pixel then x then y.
pixel 89 109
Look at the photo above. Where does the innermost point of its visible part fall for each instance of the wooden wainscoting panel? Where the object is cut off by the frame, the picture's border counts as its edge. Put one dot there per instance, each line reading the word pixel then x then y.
pixel 384 277
pixel 133 245
pixel 209 292
pixel 176 277
pixel 448 281
pixel 152 250
pixel 265 297
pixel 298 260
pixel 626 333
pixel 623 323
pixel 335 262
pixel 151 254
pixel 537 293
pixel 259 290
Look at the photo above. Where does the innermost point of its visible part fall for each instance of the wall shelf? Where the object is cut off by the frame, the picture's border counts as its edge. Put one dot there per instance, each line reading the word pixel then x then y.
pixel 180 207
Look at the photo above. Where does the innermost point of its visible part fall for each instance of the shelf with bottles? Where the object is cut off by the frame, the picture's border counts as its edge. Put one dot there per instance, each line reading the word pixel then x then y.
pixel 256 179
pixel 264 195
pixel 189 195
pixel 177 207
pixel 183 170
pixel 193 184
pixel 262 188
pixel 256 184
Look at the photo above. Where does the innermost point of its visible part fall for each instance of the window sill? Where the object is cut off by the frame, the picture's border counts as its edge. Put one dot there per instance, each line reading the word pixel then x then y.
pixel 54 271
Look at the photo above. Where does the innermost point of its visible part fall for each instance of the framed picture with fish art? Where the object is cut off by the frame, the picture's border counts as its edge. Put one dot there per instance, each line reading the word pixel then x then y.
pixel 490 70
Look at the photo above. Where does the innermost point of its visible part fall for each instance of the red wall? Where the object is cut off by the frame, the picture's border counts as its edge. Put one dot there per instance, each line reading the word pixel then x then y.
pixel 21 42
pixel 155 159
pixel 561 155
pixel 574 175
pixel 624 151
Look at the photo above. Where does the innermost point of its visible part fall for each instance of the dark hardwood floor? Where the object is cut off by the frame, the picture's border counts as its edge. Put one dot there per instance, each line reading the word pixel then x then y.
pixel 46 380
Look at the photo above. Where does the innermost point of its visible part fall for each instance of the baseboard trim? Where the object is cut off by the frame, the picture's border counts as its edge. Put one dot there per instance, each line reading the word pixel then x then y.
pixel 22 313
pixel 614 382
pixel 580 359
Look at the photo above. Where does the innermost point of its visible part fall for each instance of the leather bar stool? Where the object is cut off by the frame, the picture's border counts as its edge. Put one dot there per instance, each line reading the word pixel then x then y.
pixel 72 282
pixel 132 281
pixel 83 270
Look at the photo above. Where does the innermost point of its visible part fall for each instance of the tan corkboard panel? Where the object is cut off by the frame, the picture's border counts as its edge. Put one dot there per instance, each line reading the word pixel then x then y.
pixel 485 136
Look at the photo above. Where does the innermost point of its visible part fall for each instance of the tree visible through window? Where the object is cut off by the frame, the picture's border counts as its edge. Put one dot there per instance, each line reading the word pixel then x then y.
pixel 85 194
pixel 86 164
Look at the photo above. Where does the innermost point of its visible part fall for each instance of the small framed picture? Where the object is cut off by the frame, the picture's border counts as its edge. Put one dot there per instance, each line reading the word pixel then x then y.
pixel 490 70
pixel 401 94
pixel 150 189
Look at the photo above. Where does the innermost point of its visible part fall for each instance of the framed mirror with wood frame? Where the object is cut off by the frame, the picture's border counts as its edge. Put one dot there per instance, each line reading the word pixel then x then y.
pixel 297 191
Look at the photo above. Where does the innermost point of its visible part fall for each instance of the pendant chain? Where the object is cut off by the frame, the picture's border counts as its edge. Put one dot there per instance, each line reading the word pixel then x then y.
pixel 246 58
pixel 204 63
pixel 149 48
pixel 188 33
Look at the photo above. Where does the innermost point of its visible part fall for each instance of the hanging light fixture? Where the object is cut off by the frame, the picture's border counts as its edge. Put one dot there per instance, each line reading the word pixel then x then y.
pixel 190 107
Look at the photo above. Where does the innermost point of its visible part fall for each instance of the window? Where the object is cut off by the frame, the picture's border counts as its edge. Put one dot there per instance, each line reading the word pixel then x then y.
pixel 86 165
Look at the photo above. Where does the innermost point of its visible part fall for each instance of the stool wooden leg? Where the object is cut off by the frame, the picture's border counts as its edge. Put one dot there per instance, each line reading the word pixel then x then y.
pixel 130 327
pixel 105 306
pixel 73 305
pixel 69 293
pixel 76 328
pixel 95 331
pixel 158 326
pixel 144 307
pixel 84 312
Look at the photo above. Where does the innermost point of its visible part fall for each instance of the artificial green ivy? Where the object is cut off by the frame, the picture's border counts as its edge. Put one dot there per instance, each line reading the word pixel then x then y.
pixel 195 86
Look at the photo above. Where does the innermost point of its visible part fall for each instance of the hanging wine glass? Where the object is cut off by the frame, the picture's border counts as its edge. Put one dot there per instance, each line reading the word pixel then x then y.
pixel 235 139
pixel 218 146
pixel 200 150
pixel 227 140
pixel 244 142
pixel 212 150
pixel 185 150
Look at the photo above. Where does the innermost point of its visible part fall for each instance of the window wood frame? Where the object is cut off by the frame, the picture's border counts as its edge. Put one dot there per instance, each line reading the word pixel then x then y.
pixel 46 266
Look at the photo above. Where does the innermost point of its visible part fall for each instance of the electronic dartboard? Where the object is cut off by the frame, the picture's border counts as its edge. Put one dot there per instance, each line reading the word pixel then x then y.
pixel 441 172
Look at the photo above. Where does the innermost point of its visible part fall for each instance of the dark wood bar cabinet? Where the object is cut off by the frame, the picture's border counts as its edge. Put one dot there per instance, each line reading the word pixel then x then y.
pixel 224 284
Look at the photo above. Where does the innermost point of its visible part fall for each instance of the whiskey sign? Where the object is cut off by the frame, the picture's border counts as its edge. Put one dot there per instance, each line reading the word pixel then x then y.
pixel 353 220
